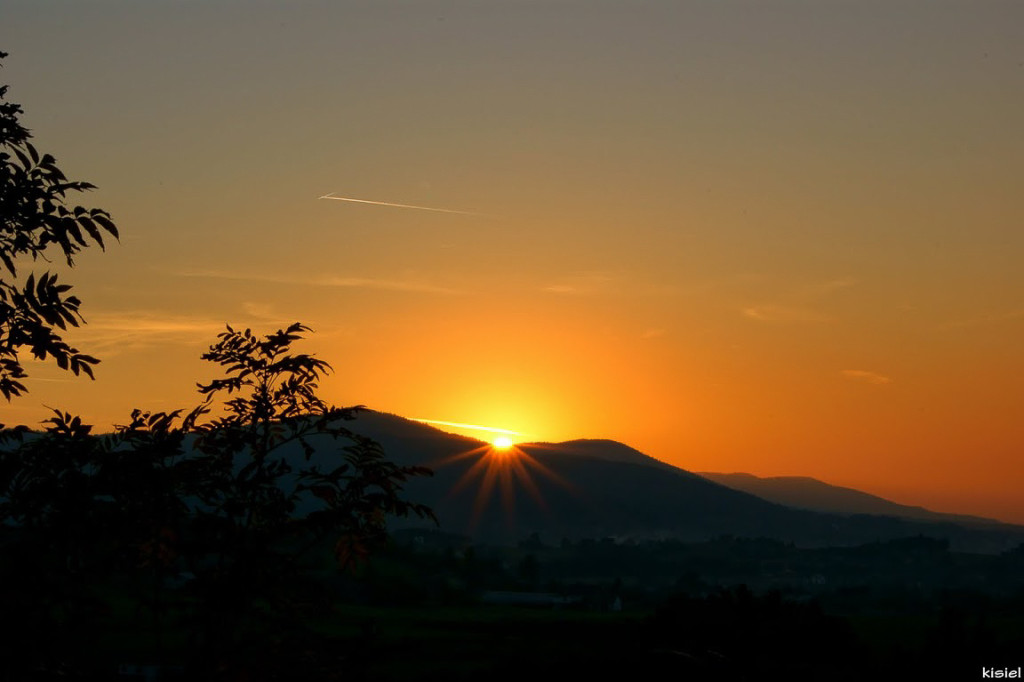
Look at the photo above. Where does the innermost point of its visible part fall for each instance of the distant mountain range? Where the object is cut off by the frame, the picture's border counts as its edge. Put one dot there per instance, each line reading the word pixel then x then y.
pixel 601 488
pixel 803 492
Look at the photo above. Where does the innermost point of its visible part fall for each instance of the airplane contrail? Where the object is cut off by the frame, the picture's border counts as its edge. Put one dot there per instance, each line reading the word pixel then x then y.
pixel 468 426
pixel 393 205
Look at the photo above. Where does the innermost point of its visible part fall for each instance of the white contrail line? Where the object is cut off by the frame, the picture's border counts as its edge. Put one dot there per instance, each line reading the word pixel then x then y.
pixel 468 426
pixel 388 203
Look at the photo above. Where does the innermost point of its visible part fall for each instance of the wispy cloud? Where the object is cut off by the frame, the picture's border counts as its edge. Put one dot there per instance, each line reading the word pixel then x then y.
pixel 771 312
pixel 985 320
pixel 621 282
pixel 111 332
pixel 388 284
pixel 826 288
pixel 583 284
pixel 562 289
pixel 866 377
pixel 265 312
pixel 801 305
pixel 409 285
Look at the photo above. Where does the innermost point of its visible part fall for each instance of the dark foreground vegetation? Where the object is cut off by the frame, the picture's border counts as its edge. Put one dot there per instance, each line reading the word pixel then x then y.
pixel 431 606
pixel 187 531
pixel 725 609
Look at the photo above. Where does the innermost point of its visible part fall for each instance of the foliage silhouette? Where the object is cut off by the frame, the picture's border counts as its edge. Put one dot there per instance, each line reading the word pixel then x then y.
pixel 60 532
pixel 247 536
pixel 35 220
pixel 225 502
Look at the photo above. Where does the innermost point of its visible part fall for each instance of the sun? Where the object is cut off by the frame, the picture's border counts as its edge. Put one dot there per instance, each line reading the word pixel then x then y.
pixel 500 468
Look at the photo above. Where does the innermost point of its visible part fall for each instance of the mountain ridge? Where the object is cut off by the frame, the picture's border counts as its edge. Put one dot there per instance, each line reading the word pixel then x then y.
pixel 602 488
pixel 806 492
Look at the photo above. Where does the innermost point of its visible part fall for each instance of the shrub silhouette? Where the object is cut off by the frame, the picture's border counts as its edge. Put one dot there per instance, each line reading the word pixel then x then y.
pixel 246 535
pixel 222 502
pixel 35 221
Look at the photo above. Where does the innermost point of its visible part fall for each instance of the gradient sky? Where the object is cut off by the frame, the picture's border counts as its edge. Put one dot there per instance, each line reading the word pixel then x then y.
pixel 775 237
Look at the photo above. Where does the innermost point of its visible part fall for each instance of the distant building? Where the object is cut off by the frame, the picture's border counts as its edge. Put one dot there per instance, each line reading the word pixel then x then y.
pixel 149 672
pixel 528 599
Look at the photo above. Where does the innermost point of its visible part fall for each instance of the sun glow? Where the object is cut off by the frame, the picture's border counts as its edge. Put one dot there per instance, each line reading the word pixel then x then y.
pixel 497 473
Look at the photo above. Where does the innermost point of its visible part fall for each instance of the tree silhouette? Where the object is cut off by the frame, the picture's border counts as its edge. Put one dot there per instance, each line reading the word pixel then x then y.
pixel 225 502
pixel 57 541
pixel 266 490
pixel 275 406
pixel 35 221
pixel 226 499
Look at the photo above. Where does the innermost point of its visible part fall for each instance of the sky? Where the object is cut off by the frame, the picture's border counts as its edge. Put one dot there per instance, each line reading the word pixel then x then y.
pixel 775 237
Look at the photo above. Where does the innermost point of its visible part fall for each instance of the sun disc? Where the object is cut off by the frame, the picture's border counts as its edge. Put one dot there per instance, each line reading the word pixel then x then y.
pixel 502 442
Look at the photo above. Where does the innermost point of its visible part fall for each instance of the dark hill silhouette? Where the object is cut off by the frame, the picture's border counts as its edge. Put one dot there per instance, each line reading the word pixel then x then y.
pixel 804 492
pixel 601 488
pixel 609 450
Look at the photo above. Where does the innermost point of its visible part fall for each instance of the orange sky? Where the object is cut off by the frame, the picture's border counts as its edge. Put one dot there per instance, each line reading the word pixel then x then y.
pixel 774 237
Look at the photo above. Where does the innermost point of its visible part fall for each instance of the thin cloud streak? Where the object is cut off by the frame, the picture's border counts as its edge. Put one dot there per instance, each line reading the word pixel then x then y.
pixel 110 333
pixel 263 311
pixel 587 283
pixel 394 205
pixel 984 321
pixel 831 286
pixel 779 313
pixel 801 305
pixel 391 285
pixel 489 429
pixel 326 281
pixel 866 377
